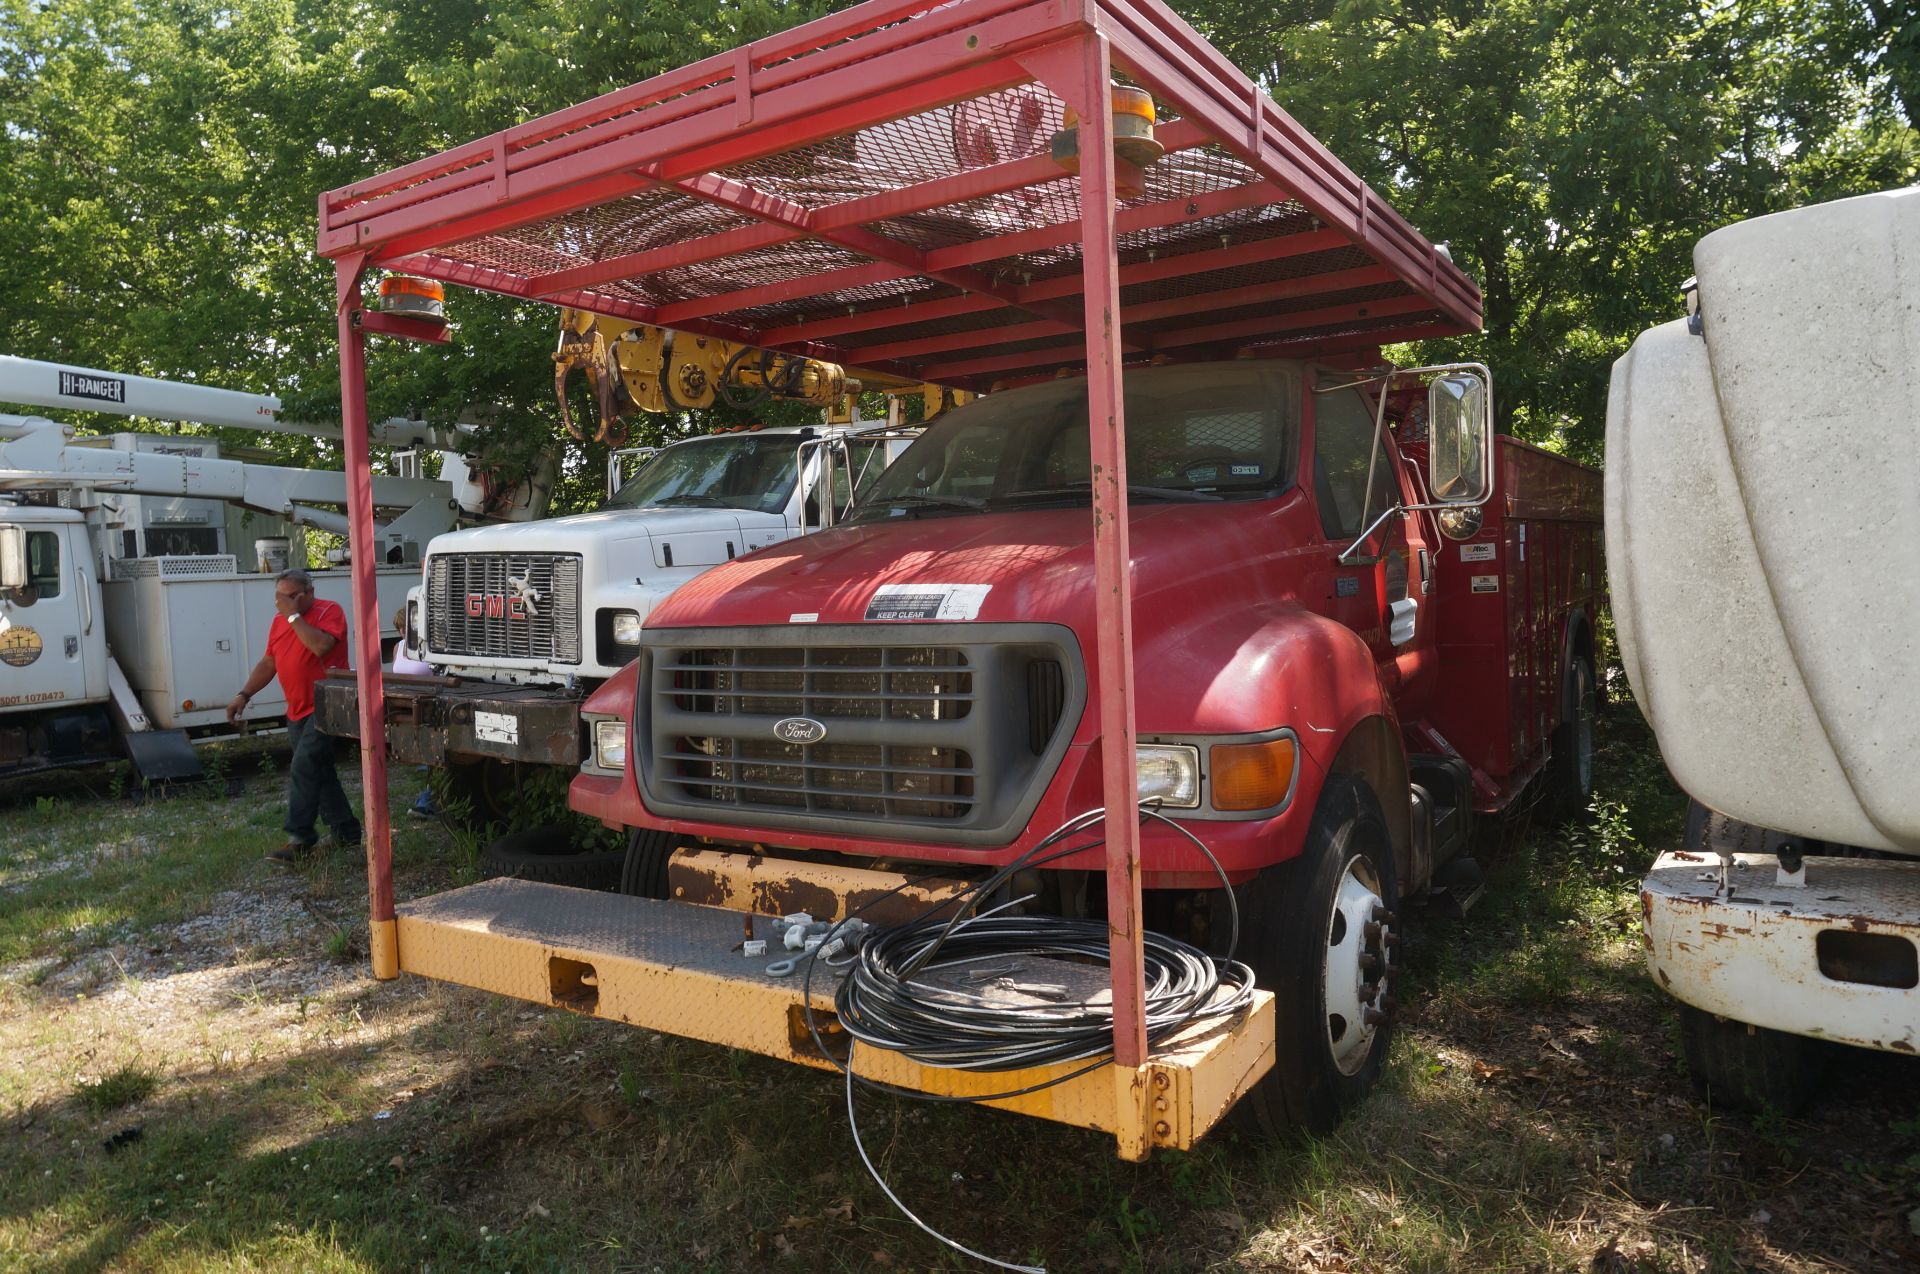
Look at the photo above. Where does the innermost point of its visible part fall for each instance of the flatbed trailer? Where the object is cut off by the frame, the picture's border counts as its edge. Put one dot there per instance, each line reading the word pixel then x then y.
pixel 897 186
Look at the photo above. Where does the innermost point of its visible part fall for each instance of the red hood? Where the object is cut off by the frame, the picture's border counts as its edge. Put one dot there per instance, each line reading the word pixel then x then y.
pixel 1039 563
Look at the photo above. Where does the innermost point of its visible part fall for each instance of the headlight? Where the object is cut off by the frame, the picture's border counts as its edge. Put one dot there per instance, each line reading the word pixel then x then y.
pixel 626 627
pixel 610 744
pixel 1169 772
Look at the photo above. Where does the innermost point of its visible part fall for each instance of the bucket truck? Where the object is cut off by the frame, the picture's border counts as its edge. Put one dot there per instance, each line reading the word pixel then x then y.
pixel 128 612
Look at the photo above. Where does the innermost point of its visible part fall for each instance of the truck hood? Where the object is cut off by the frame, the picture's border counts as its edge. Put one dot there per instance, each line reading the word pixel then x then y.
pixel 560 535
pixel 1036 564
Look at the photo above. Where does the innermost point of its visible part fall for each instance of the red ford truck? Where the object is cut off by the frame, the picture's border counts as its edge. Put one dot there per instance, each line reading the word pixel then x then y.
pixel 1334 671
pixel 1360 617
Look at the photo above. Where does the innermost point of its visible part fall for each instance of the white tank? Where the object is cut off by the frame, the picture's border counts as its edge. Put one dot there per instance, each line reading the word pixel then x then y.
pixel 1763 524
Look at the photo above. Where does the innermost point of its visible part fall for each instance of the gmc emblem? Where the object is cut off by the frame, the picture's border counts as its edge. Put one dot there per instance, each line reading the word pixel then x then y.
pixel 495 606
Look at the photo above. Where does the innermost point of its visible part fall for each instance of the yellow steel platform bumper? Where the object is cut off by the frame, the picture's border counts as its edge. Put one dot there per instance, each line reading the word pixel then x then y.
pixel 677 968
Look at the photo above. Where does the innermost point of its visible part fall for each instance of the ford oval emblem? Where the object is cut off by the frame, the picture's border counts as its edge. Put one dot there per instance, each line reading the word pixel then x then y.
pixel 799 730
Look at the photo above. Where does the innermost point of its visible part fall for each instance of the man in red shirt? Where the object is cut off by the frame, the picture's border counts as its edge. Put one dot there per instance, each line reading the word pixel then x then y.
pixel 306 638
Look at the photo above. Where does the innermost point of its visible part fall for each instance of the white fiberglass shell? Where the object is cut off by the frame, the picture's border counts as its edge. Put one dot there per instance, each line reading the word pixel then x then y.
pixel 1763 524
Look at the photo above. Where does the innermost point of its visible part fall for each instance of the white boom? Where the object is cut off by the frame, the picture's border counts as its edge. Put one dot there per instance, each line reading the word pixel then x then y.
pixel 35 452
pixel 34 383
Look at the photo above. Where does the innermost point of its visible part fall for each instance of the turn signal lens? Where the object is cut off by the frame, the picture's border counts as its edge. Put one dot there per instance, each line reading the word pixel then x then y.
pixel 1252 776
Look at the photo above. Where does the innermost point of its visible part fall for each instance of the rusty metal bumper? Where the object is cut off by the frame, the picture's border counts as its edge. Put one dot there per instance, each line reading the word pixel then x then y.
pixel 1834 957
pixel 429 719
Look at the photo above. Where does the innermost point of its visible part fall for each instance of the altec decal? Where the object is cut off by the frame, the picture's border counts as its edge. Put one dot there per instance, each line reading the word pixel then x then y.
pixel 106 389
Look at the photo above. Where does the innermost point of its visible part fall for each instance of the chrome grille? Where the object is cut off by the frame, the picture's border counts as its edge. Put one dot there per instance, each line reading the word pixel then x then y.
pixel 545 627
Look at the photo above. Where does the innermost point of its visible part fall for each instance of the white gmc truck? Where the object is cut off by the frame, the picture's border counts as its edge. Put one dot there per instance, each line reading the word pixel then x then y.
pixel 520 622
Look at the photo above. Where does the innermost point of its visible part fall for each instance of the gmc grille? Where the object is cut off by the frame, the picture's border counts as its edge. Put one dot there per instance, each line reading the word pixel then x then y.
pixel 945 739
pixel 505 606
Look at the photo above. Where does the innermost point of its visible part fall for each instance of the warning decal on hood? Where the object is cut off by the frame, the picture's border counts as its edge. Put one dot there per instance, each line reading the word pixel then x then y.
pixel 927 601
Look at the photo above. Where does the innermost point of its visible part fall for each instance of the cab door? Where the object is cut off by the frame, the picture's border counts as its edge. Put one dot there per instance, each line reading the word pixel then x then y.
pixel 52 640
pixel 1354 482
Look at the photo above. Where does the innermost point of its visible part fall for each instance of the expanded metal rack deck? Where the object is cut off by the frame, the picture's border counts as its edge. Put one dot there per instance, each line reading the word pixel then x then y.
pixel 879 188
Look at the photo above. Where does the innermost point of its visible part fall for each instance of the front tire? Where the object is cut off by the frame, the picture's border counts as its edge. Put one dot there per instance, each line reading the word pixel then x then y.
pixel 480 793
pixel 551 854
pixel 1320 933
pixel 643 873
pixel 1747 1067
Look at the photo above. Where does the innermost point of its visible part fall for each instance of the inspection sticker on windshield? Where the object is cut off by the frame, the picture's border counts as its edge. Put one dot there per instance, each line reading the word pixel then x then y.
pixel 496 727
pixel 927 601
pixel 1477 552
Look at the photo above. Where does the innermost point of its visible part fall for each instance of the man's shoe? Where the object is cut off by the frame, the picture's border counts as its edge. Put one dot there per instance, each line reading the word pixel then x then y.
pixel 338 842
pixel 290 853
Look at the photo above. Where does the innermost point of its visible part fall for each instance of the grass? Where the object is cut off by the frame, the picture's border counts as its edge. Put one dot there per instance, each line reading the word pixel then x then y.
pixel 294 1115
pixel 127 1085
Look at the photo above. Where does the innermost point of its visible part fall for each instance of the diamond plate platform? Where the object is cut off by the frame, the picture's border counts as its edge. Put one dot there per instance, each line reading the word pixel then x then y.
pixel 677 968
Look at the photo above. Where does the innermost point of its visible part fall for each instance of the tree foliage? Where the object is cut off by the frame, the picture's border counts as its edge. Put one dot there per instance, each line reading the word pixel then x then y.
pixel 160 161
pixel 1573 153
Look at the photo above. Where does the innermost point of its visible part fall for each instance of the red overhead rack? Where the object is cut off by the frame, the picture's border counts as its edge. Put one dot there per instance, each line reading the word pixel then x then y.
pixel 875 188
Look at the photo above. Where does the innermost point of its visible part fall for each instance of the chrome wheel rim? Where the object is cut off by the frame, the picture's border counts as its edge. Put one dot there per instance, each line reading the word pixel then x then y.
pixel 1355 970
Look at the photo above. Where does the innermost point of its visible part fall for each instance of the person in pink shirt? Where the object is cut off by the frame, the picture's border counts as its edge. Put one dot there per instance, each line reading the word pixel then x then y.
pixel 306 638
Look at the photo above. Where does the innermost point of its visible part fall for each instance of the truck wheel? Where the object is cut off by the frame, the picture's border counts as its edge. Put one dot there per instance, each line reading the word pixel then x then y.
pixel 1320 933
pixel 482 791
pixel 550 854
pixel 643 873
pixel 1569 774
pixel 1749 1067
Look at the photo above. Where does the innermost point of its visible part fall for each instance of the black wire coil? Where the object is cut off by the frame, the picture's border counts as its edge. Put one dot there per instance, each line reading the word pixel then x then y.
pixel 885 1003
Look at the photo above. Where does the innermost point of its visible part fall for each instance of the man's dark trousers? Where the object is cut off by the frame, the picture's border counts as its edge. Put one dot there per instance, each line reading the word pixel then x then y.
pixel 313 787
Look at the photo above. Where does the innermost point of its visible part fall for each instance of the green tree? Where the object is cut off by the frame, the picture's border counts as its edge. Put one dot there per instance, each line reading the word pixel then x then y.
pixel 161 160
pixel 1573 153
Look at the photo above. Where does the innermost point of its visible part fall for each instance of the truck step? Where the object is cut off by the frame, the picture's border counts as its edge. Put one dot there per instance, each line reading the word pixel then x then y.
pixel 1456 888
pixel 678 968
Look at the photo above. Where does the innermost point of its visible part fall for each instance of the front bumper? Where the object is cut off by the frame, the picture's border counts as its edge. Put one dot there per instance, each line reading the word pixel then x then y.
pixel 1834 957
pixel 432 719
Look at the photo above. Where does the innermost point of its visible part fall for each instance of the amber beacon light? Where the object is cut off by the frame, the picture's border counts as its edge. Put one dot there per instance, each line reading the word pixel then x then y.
pixel 414 298
pixel 1133 139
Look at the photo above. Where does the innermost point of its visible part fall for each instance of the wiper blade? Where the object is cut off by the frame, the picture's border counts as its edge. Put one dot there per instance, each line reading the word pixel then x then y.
pixel 689 499
pixel 919 501
pixel 1133 489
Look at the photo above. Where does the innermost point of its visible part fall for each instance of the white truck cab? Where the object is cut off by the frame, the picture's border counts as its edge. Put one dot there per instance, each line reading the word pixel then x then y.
pixel 519 622
pixel 561 601
pixel 53 644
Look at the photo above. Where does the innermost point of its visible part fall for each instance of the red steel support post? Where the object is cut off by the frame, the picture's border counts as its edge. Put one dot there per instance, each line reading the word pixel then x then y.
pixel 377 825
pixel 1113 591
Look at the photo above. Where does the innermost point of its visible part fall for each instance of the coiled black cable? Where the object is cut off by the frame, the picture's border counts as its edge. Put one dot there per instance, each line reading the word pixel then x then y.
pixel 882 1003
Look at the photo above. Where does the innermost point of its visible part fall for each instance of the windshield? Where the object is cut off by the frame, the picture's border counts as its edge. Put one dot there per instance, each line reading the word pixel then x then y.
pixel 737 471
pixel 1199 432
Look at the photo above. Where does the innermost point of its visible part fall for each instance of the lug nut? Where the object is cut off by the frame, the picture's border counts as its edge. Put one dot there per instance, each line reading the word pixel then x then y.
pixel 1373 1017
pixel 1371 931
pixel 1368 962
pixel 1384 916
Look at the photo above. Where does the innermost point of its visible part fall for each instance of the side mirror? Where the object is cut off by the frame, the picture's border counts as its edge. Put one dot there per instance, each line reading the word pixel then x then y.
pixel 13 557
pixel 1460 421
